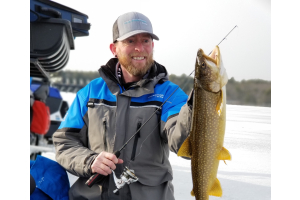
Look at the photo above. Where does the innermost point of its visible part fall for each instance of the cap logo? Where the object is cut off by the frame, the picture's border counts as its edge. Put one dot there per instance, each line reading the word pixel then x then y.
pixel 136 20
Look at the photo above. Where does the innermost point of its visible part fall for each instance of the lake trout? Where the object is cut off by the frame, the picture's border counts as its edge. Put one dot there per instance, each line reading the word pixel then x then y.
pixel 204 144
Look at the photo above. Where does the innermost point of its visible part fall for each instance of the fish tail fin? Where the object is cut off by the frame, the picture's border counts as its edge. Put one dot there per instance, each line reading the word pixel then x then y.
pixel 192 192
pixel 224 154
pixel 216 189
pixel 220 103
pixel 185 150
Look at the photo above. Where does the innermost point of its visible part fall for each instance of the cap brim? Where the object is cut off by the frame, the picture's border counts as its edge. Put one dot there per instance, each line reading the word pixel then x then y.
pixel 127 35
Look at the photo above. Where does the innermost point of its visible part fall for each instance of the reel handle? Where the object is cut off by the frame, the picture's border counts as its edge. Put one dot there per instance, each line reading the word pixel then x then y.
pixel 98 177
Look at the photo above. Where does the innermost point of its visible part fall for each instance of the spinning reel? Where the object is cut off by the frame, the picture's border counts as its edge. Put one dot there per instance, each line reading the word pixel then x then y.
pixel 127 176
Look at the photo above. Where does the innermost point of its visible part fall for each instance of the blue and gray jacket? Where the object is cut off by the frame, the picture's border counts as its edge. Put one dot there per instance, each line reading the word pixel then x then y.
pixel 104 116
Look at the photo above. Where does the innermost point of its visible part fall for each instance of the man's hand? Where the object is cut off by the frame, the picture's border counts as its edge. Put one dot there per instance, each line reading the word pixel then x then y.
pixel 104 163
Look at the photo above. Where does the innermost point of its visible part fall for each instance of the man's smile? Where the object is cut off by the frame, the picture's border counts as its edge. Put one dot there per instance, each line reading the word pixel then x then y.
pixel 138 58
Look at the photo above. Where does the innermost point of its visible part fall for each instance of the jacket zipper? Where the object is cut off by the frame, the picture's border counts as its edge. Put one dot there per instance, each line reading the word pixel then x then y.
pixel 104 135
pixel 135 141
pixel 115 78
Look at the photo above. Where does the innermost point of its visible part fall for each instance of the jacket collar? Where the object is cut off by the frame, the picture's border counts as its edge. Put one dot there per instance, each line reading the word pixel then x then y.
pixel 157 74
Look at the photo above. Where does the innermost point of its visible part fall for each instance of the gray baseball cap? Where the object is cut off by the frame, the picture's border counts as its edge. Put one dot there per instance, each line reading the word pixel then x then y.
pixel 130 24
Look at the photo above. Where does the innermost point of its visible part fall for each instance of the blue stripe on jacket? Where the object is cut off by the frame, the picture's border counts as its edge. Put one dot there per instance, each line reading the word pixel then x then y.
pixel 97 89
pixel 161 93
pixel 175 102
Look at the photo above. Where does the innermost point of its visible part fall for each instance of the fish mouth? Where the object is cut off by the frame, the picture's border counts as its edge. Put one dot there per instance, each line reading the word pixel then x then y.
pixel 202 57
pixel 200 53
pixel 210 71
pixel 207 71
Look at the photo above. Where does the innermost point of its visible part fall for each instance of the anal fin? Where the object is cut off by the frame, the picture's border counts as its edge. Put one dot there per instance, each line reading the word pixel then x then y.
pixel 216 189
pixel 185 150
pixel 192 192
pixel 224 154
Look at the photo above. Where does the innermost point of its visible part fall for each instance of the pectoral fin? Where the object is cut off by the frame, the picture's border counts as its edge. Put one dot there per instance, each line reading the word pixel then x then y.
pixel 224 154
pixel 185 150
pixel 220 103
pixel 216 189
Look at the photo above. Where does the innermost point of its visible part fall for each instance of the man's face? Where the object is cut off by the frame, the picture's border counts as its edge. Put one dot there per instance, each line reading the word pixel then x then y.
pixel 135 53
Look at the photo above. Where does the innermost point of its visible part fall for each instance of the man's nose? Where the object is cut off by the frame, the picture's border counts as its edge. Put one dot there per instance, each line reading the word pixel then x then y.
pixel 139 47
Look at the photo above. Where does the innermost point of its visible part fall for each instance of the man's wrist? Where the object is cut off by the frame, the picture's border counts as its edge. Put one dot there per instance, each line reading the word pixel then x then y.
pixel 92 159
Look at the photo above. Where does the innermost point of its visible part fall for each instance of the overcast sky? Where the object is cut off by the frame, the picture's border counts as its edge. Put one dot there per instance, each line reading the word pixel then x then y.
pixel 183 27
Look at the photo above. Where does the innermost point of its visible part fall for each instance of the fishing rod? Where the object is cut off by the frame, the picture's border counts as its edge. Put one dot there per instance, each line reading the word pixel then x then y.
pixel 224 38
pixel 99 177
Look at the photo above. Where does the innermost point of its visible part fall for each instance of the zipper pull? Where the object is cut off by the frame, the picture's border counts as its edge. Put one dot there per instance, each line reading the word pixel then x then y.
pixel 104 135
pixel 138 127
pixel 90 104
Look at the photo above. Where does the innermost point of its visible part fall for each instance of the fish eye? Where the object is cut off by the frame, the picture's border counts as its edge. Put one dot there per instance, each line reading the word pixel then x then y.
pixel 203 65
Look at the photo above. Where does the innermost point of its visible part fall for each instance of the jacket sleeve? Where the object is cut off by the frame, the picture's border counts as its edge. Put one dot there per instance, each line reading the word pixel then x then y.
pixel 176 119
pixel 71 140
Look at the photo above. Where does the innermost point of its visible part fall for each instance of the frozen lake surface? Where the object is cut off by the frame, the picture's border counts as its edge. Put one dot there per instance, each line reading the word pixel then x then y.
pixel 248 175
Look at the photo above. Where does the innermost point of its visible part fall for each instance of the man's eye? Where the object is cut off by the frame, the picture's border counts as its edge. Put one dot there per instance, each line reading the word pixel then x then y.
pixel 146 41
pixel 130 41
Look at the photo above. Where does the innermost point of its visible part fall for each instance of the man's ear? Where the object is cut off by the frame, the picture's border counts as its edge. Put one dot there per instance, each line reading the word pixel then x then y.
pixel 113 49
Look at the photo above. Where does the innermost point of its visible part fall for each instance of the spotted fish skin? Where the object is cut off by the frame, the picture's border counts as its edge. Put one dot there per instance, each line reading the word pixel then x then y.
pixel 205 143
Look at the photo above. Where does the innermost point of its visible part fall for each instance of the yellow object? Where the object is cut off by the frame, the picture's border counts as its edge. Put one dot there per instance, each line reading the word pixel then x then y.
pixel 216 189
pixel 204 145
pixel 224 154
pixel 185 149
pixel 192 193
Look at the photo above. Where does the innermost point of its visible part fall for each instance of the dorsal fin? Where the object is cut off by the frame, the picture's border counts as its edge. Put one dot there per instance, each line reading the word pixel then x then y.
pixel 192 192
pixel 185 150
pixel 224 154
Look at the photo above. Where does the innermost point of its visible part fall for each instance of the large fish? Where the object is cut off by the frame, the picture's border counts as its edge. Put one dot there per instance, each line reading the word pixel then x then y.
pixel 205 143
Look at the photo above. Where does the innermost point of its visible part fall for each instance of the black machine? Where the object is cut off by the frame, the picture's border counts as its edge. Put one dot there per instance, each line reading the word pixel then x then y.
pixel 53 29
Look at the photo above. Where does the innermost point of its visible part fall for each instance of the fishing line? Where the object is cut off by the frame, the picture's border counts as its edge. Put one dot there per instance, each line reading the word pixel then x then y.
pixel 184 86
pixel 225 37
pixel 211 52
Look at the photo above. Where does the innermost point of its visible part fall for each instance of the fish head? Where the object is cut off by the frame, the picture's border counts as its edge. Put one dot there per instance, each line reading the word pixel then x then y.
pixel 209 70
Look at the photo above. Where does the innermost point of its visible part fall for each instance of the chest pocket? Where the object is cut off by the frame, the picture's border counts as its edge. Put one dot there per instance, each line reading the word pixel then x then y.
pixel 136 138
pixel 101 129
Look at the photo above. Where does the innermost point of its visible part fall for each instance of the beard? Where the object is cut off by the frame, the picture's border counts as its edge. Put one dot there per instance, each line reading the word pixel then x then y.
pixel 135 69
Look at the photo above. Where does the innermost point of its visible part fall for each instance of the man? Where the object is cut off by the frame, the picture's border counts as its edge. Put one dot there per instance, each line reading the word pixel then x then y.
pixel 111 108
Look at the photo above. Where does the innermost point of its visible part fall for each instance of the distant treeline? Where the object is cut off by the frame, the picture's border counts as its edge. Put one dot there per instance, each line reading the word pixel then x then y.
pixel 253 92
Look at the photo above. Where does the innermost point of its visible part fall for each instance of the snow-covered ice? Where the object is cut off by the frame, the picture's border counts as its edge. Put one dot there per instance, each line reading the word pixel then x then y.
pixel 248 175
